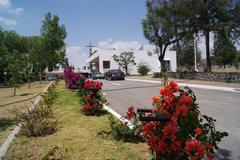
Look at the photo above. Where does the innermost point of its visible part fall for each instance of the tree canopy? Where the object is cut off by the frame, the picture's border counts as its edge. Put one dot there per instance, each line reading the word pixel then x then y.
pixel 125 60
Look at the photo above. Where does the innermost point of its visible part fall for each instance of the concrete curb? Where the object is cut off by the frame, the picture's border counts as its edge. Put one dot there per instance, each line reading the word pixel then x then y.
pixel 227 89
pixel 118 116
pixel 11 136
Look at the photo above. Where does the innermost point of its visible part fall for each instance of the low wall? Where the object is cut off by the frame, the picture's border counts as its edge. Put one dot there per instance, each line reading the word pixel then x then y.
pixel 230 77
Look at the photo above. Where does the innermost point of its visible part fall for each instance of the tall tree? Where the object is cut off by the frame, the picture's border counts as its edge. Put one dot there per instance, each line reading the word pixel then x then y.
pixel 52 42
pixel 210 16
pixel 163 26
pixel 125 60
pixel 224 51
pixel 14 70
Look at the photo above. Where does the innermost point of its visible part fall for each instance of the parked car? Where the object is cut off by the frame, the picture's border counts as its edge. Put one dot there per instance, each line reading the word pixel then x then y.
pixel 98 75
pixel 51 77
pixel 114 74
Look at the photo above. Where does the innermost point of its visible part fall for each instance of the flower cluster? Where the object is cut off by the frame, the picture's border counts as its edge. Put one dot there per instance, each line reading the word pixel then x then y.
pixel 72 79
pixel 187 134
pixel 93 97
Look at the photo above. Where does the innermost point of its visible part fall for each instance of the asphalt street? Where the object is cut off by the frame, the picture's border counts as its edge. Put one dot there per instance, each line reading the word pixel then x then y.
pixel 222 105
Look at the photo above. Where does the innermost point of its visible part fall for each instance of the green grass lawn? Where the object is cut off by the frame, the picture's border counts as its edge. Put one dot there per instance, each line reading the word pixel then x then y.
pixel 76 137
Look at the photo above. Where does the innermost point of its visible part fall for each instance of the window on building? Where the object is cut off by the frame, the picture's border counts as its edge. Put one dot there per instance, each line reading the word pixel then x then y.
pixel 106 64
pixel 167 65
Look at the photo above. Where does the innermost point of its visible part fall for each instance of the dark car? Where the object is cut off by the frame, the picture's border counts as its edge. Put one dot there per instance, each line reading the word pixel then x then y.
pixel 51 77
pixel 114 74
pixel 98 75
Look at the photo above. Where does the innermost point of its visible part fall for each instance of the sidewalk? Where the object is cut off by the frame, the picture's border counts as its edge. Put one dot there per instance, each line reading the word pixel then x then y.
pixel 230 87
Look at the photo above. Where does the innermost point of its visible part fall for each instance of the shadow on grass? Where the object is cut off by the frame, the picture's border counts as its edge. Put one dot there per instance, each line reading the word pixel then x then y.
pixel 5 123
pixel 223 154
pixel 101 113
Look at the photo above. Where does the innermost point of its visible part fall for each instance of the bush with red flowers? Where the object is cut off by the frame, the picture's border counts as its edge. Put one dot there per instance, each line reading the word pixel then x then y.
pixel 187 134
pixel 73 80
pixel 92 97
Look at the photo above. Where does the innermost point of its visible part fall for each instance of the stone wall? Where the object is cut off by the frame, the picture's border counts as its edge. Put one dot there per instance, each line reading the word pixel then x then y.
pixel 231 77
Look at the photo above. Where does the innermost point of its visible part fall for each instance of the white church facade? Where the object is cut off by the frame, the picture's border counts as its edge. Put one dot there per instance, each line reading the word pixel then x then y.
pixel 102 60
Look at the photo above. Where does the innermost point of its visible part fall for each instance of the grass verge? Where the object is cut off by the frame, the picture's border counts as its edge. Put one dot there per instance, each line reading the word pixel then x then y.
pixel 76 137
pixel 6 96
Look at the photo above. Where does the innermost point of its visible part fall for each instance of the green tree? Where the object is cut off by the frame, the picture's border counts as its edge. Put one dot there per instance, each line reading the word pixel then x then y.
pixel 125 60
pixel 14 70
pixel 52 43
pixel 224 51
pixel 159 28
pixel 205 16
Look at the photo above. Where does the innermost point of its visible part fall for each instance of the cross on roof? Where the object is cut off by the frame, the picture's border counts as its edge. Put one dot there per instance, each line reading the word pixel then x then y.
pixel 90 48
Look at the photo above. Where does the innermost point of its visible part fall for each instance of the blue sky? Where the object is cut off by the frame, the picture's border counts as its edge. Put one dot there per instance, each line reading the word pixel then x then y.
pixel 106 23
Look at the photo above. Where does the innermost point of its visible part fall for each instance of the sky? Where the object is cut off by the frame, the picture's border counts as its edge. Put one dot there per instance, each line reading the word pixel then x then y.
pixel 105 23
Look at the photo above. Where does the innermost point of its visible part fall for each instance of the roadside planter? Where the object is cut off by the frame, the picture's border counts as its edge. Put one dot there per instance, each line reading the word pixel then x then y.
pixel 175 128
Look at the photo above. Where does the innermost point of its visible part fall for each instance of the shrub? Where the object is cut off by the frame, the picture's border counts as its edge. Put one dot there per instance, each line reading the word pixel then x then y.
pixel 92 97
pixel 73 80
pixel 187 134
pixel 121 132
pixel 56 153
pixel 38 121
pixel 143 69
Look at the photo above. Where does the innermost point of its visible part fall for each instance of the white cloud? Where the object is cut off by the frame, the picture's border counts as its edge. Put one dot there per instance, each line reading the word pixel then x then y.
pixel 121 45
pixel 7 22
pixel 75 56
pixel 6 6
pixel 17 11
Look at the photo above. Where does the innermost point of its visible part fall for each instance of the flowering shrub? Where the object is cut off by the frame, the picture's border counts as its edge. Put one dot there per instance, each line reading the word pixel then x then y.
pixel 72 79
pixel 93 97
pixel 187 134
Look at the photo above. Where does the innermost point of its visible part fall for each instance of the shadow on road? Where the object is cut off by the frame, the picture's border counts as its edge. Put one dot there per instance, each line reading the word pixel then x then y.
pixel 223 154
pixel 128 88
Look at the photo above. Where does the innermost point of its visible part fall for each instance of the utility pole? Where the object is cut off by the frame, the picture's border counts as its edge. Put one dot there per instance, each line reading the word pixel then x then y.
pixel 90 49
pixel 195 55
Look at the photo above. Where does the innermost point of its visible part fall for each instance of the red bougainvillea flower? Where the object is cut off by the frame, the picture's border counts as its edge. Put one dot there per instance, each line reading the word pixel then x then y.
pixel 194 149
pixel 182 110
pixel 210 156
pixel 169 129
pixel 148 128
pixel 185 100
pixel 198 131
pixel 210 146
pixel 130 112
pixel 156 99
pixel 173 85
pixel 169 89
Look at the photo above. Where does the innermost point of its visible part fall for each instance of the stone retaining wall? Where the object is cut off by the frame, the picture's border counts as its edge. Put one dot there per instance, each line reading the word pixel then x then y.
pixel 230 77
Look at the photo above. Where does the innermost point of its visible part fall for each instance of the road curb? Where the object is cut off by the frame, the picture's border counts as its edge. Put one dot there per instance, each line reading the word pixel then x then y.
pixel 11 136
pixel 201 86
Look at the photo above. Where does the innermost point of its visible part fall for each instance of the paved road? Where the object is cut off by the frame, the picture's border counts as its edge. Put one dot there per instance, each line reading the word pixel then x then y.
pixel 223 106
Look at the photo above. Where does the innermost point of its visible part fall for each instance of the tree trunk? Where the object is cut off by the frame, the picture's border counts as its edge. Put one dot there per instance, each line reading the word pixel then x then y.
pixel 126 70
pixel 163 67
pixel 29 84
pixel 40 77
pixel 14 90
pixel 208 58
